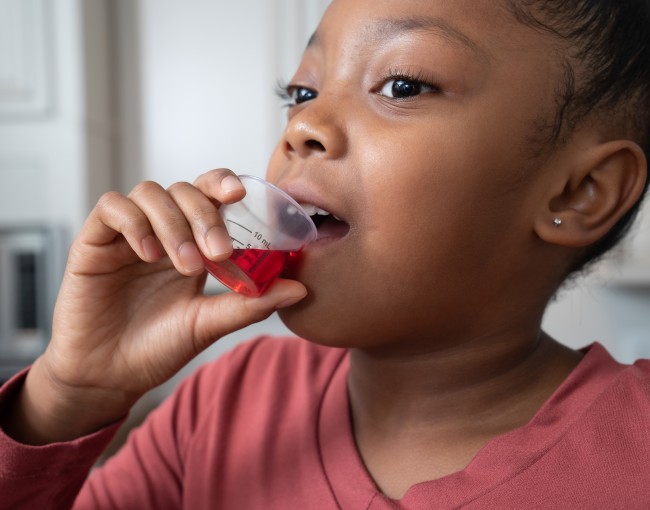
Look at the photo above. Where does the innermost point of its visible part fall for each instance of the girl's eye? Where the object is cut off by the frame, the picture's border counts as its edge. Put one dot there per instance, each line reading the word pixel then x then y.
pixel 301 94
pixel 402 88
pixel 294 94
pixel 297 95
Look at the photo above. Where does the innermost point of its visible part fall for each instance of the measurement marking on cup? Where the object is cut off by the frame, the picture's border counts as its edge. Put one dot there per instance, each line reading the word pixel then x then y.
pixel 237 241
pixel 240 225
pixel 262 239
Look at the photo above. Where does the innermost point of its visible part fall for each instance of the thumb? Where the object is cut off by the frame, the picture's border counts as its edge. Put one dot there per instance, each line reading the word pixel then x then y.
pixel 226 313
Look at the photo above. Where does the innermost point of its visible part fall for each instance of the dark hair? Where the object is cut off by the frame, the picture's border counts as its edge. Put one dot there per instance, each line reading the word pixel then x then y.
pixel 607 71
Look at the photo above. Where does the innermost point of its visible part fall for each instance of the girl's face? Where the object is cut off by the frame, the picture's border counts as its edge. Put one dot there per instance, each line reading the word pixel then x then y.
pixel 412 121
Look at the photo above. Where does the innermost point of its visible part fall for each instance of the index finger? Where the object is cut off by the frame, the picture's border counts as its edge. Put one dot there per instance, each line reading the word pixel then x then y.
pixel 221 185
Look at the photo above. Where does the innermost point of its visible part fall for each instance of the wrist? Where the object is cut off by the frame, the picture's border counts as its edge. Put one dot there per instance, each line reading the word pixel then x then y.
pixel 45 411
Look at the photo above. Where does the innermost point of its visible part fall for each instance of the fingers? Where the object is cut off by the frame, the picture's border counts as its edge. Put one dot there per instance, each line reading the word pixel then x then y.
pixel 222 185
pixel 225 313
pixel 114 215
pixel 203 219
pixel 170 225
pixel 183 221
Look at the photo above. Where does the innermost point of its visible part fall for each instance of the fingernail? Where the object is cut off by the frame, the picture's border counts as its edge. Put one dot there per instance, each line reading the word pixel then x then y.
pixel 151 248
pixel 289 301
pixel 230 184
pixel 190 257
pixel 218 242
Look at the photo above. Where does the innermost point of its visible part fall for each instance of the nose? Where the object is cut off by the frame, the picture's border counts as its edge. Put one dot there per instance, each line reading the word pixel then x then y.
pixel 315 131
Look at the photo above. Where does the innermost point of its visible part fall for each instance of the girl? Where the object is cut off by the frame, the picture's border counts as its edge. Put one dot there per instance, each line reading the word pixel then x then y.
pixel 472 155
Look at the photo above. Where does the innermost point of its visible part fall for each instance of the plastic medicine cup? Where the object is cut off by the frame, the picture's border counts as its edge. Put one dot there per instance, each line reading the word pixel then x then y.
pixel 267 227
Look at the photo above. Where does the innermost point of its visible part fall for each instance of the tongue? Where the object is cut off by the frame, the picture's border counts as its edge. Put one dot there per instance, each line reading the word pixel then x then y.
pixel 331 227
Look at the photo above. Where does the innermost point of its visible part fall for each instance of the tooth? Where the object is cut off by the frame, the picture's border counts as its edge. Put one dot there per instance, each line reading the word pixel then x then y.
pixel 312 210
pixel 309 209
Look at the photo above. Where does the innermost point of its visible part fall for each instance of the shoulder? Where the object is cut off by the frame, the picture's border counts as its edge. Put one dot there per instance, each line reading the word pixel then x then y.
pixel 631 392
pixel 629 385
pixel 269 350
pixel 617 421
pixel 272 357
pixel 640 372
pixel 268 370
pixel 256 380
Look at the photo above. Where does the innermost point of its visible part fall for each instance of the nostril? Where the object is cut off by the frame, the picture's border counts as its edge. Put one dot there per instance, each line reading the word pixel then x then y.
pixel 315 145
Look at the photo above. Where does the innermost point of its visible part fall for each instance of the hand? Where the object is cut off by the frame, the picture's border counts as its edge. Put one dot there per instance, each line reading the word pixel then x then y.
pixel 131 310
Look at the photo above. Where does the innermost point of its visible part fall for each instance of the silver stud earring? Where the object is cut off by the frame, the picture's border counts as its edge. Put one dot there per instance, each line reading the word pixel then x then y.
pixel 557 222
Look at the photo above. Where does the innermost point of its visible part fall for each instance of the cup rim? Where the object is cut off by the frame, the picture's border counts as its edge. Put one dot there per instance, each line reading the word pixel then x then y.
pixel 298 207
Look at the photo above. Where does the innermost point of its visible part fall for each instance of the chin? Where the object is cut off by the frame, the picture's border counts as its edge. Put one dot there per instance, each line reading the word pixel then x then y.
pixel 338 326
pixel 321 329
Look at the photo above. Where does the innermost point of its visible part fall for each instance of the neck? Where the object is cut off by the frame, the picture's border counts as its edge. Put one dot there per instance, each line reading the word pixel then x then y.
pixel 470 388
pixel 424 416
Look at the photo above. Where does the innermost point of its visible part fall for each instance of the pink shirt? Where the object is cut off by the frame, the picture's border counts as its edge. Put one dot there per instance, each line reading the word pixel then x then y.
pixel 267 426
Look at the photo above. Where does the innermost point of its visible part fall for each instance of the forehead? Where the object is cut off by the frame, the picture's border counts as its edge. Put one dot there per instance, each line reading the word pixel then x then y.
pixel 481 26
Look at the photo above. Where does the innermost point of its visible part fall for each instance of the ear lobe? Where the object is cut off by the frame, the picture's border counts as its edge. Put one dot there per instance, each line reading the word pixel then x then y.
pixel 598 191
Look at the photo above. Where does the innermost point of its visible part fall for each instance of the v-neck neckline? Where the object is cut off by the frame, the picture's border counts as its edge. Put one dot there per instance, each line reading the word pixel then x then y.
pixel 499 460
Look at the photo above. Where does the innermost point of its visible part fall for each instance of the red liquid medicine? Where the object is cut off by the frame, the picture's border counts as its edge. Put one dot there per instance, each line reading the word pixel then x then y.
pixel 249 271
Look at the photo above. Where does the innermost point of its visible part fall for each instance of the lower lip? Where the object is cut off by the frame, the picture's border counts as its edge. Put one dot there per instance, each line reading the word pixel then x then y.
pixel 250 271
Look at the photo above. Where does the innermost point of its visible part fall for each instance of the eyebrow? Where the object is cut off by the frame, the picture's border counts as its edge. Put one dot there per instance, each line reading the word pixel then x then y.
pixel 388 28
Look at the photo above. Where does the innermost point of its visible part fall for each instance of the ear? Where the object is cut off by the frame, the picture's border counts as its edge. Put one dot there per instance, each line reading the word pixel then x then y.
pixel 602 184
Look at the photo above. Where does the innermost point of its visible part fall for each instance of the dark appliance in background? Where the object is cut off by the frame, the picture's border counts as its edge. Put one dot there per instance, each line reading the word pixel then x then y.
pixel 32 258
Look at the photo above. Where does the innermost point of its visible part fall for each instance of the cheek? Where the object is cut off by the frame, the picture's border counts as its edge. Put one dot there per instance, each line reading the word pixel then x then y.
pixel 435 225
pixel 431 208
pixel 275 163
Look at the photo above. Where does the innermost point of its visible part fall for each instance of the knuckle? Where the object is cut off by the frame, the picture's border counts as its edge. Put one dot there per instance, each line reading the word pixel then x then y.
pixel 179 187
pixel 215 175
pixel 122 214
pixel 109 199
pixel 221 172
pixel 175 223
pixel 134 224
pixel 144 188
pixel 204 212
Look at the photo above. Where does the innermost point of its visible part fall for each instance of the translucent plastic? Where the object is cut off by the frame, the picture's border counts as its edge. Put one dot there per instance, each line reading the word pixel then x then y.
pixel 267 228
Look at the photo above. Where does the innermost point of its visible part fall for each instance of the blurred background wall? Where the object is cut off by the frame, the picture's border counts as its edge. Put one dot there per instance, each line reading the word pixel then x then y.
pixel 100 94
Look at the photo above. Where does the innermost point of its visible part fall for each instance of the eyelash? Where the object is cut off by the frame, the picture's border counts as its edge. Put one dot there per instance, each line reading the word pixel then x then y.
pixel 395 74
pixel 285 90
pixel 282 90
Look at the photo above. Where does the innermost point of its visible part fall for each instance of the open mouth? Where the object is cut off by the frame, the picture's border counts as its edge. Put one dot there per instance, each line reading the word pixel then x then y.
pixel 327 224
